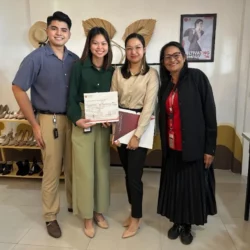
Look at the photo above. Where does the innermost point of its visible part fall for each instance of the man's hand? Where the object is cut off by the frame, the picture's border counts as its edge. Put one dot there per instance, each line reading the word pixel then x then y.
pixel 38 136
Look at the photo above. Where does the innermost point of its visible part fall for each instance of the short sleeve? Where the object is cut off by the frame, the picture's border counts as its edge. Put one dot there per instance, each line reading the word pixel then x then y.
pixel 26 74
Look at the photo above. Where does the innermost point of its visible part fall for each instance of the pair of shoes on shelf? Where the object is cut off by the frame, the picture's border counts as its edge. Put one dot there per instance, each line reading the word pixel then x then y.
pixel 23 168
pixel 6 167
pixel 35 168
pixel 3 111
pixel 22 138
pixel 7 138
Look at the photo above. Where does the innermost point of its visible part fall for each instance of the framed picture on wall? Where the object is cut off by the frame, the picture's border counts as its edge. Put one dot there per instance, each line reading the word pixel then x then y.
pixel 197 36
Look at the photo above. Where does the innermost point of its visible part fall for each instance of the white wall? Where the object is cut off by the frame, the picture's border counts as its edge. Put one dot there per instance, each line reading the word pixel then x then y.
pixel 228 74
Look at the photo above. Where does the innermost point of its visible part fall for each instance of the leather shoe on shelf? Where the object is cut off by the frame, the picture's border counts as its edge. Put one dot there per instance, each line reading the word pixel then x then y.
pixel 2 167
pixel 53 229
pixel 8 138
pixel 20 167
pixel 25 138
pixel 20 137
pixel 2 138
pixel 35 168
pixel 20 115
pixel 8 168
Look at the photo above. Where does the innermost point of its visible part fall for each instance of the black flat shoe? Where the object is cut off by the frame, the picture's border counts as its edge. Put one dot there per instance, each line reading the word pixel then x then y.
pixel 185 235
pixel 174 231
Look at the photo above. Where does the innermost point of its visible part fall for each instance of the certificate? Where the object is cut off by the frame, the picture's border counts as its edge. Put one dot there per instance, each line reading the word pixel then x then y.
pixel 101 107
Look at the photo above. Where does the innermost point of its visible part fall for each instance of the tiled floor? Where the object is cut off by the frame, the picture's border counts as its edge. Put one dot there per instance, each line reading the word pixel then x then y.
pixel 22 226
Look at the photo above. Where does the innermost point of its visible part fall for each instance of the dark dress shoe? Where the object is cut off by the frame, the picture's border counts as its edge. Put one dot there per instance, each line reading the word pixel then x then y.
pixel 53 229
pixel 70 210
pixel 2 167
pixel 20 167
pixel 34 169
pixel 8 168
pixel 174 231
pixel 26 168
pixel 186 236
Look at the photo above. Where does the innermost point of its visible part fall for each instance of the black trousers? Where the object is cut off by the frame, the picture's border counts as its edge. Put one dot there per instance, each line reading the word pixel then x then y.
pixel 133 163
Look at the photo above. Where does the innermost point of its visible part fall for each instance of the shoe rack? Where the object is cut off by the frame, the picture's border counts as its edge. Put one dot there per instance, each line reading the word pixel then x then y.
pixel 18 145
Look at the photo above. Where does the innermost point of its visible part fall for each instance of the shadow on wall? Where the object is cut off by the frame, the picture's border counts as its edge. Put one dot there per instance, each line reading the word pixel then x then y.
pixel 228 152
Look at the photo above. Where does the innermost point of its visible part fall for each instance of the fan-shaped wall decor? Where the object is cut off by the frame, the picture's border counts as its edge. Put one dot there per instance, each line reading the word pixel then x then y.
pixel 97 22
pixel 144 27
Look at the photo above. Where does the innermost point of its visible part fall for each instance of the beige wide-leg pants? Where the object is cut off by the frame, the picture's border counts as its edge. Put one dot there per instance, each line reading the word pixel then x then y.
pixel 91 164
pixel 57 155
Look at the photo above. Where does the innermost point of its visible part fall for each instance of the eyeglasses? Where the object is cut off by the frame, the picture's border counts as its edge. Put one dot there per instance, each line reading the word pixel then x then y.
pixel 175 56
pixel 130 49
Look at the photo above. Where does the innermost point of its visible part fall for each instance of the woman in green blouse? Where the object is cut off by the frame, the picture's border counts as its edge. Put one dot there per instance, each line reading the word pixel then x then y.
pixel 91 151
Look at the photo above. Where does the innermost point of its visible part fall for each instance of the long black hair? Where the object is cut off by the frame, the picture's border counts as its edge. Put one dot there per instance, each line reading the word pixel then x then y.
pixel 165 75
pixel 87 52
pixel 125 67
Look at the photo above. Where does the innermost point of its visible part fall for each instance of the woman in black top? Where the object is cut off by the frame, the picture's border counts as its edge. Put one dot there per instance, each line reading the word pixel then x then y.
pixel 187 187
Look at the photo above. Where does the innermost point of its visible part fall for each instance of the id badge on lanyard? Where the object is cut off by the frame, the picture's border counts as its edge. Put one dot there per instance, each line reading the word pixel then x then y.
pixel 171 136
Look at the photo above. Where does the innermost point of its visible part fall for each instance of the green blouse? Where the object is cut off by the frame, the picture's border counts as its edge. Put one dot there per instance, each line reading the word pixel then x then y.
pixel 85 78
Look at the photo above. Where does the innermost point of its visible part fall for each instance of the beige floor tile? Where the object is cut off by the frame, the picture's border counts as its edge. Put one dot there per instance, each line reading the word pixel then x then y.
pixel 5 246
pixel 72 237
pixel 29 247
pixel 239 231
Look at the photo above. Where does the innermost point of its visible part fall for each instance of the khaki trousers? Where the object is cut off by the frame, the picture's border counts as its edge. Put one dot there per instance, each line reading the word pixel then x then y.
pixel 57 155
pixel 91 164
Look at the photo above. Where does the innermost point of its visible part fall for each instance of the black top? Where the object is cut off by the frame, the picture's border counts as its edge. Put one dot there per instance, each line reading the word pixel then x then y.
pixel 197 112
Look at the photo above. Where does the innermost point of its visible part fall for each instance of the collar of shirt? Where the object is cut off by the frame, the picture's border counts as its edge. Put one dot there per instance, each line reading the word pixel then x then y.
pixel 88 64
pixel 50 52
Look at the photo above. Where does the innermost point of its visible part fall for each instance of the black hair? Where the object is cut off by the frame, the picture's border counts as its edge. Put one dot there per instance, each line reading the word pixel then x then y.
pixel 59 16
pixel 87 52
pixel 165 75
pixel 198 21
pixel 125 67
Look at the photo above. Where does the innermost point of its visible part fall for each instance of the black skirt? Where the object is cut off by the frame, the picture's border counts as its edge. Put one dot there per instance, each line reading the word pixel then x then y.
pixel 187 190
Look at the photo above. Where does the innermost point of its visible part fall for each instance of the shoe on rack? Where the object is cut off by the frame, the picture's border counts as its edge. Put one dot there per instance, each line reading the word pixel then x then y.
pixel 8 168
pixel 2 138
pixel 4 111
pixel 26 168
pixel 8 138
pixel 20 137
pixel 20 115
pixel 2 167
pixel 25 138
pixel 53 229
pixel 1 108
pixel 186 235
pixel 35 168
pixel 174 231
pixel 14 140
